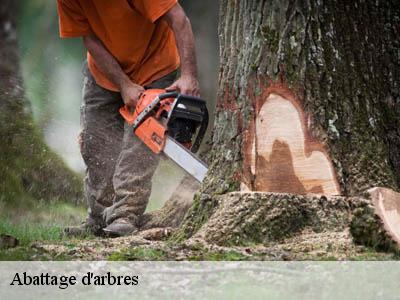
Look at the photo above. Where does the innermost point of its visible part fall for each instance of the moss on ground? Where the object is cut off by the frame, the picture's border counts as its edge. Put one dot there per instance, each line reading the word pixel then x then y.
pixel 139 253
pixel 370 254
pixel 153 254
pixel 218 256
pixel 30 254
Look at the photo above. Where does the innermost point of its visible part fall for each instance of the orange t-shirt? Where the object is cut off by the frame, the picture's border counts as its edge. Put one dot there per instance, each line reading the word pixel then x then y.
pixel 145 49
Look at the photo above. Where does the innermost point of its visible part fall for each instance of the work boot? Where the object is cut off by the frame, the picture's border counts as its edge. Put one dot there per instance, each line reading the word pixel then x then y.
pixel 120 227
pixel 88 227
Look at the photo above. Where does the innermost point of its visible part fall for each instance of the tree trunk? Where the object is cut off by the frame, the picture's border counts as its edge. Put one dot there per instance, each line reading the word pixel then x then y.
pixel 28 167
pixel 308 103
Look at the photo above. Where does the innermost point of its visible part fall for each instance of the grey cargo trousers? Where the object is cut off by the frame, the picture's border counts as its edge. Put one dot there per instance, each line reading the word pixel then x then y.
pixel 119 166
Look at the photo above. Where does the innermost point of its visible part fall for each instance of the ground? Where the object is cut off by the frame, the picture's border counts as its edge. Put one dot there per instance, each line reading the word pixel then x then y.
pixel 306 246
pixel 38 230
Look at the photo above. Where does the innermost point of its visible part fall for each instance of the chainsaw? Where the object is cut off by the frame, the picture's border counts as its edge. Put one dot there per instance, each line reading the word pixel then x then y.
pixel 173 124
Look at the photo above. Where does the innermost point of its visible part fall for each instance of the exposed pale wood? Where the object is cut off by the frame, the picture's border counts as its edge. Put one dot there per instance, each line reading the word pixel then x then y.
pixel 282 156
pixel 387 207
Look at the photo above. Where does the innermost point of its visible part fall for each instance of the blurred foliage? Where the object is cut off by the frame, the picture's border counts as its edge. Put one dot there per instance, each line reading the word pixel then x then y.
pixel 42 53
pixel 204 18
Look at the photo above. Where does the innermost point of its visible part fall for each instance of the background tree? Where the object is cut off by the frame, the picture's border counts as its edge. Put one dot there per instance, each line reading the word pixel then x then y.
pixel 203 16
pixel 29 168
pixel 308 102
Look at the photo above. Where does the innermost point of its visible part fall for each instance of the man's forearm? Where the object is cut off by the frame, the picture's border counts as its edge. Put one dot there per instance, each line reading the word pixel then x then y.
pixel 184 38
pixel 107 64
pixel 180 25
pixel 186 47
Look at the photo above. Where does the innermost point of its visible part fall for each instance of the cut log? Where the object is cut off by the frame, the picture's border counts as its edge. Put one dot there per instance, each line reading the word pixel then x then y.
pixel 378 225
pixel 387 207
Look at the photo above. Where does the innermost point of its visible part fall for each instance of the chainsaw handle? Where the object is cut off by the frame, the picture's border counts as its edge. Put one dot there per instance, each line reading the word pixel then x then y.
pixel 202 129
pixel 193 98
pixel 205 118
pixel 127 114
pixel 176 94
pixel 167 95
pixel 130 116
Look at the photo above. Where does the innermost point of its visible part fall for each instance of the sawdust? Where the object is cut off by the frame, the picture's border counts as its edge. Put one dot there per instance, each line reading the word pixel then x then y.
pixel 306 246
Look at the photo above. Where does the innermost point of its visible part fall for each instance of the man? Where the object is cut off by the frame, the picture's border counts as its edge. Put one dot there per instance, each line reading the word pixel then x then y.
pixel 132 45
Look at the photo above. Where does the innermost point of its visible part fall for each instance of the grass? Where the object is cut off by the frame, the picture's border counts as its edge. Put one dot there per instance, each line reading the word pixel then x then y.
pixel 36 221
pixel 27 233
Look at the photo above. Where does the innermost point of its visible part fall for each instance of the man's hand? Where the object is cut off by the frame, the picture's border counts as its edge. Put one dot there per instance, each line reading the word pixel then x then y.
pixel 187 85
pixel 130 93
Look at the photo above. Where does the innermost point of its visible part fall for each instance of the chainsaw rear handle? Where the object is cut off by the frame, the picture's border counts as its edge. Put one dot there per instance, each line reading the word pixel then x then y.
pixel 176 94
pixel 172 94
pixel 202 130
pixel 181 99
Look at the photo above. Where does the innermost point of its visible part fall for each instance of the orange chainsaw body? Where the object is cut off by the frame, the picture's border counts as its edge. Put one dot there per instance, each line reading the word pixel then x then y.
pixel 151 131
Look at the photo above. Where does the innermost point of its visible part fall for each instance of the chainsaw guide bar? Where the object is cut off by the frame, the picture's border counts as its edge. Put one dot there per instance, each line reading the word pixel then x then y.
pixel 185 159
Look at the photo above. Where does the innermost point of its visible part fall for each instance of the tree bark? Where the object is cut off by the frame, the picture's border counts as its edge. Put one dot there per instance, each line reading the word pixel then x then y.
pixel 29 168
pixel 308 103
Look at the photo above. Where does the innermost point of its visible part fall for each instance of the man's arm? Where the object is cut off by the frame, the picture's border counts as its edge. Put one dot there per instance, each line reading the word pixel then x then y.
pixel 130 91
pixel 180 25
